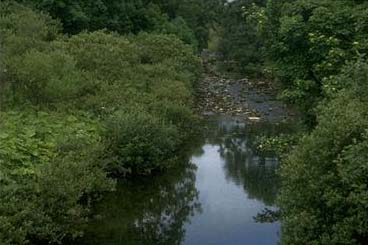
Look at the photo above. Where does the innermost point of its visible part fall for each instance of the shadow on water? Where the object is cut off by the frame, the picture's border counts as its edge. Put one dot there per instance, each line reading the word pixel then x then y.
pixel 147 211
pixel 212 200
pixel 244 165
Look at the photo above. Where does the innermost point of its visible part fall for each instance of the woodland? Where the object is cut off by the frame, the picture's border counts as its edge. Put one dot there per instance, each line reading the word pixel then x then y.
pixel 95 91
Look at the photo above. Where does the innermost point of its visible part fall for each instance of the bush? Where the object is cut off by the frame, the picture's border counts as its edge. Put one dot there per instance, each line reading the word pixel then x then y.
pixel 179 115
pixel 314 41
pixel 108 56
pixel 47 167
pixel 22 29
pixel 55 158
pixel 48 77
pixel 139 143
pixel 241 43
pixel 324 192
pixel 179 27
pixel 169 50
pixel 130 69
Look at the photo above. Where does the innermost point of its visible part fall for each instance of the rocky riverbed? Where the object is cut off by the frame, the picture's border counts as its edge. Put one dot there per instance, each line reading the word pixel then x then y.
pixel 251 100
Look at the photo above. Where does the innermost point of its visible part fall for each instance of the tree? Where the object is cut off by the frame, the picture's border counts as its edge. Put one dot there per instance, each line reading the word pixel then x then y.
pixel 324 180
pixel 241 43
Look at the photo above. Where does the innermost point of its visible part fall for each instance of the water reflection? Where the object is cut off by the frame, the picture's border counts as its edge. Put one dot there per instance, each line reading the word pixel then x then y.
pixel 148 211
pixel 235 183
pixel 212 201
pixel 243 164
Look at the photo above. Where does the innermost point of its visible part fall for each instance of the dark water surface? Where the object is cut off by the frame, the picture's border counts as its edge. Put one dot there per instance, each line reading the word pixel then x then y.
pixel 212 200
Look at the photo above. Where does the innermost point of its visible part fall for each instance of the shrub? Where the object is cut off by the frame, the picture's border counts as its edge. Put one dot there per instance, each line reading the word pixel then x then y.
pixel 22 29
pixel 139 143
pixel 241 44
pixel 314 41
pixel 324 193
pixel 130 16
pixel 130 69
pixel 48 77
pixel 53 158
pixel 108 56
pixel 178 115
pixel 168 49
pixel 179 27
pixel 47 166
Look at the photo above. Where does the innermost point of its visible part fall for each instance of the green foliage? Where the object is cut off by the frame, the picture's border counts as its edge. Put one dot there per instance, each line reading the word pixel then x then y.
pixel 280 145
pixel 22 29
pixel 108 57
pixel 136 71
pixel 170 51
pixel 316 50
pixel 46 168
pixel 180 28
pixel 47 77
pixel 241 43
pixel 301 43
pixel 189 20
pixel 139 143
pixel 314 41
pixel 130 16
pixel 200 15
pixel 98 104
pixel 324 191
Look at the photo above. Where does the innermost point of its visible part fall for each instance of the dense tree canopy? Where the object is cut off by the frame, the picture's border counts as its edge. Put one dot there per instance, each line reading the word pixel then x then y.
pixel 316 50
pixel 301 43
pixel 240 41
pixel 76 110
pixel 91 91
pixel 325 178
pixel 133 16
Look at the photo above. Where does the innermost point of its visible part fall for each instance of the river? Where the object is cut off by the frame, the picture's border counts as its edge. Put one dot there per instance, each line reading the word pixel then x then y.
pixel 211 200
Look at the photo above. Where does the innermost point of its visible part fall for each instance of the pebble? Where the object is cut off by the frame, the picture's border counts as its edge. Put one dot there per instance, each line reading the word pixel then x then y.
pixel 237 97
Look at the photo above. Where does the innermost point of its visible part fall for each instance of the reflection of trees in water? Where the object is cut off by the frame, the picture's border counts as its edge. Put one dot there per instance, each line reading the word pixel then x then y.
pixel 154 210
pixel 148 211
pixel 256 174
pixel 243 165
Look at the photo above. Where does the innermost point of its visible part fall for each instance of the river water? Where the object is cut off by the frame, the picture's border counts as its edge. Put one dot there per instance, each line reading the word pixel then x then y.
pixel 211 200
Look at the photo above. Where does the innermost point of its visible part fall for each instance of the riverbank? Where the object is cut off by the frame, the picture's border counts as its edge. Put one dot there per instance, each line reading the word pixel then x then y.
pixel 224 179
pixel 213 198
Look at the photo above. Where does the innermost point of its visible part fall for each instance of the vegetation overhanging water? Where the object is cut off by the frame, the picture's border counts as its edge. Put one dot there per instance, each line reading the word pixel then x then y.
pixel 99 96
pixel 212 199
